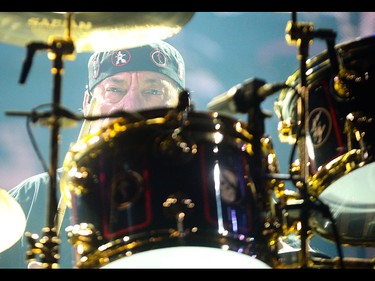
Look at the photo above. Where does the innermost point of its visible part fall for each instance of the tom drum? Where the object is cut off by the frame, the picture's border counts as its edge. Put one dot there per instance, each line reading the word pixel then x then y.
pixel 166 189
pixel 340 138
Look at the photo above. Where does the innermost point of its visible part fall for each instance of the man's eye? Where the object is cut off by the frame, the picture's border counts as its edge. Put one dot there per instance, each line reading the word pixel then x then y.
pixel 116 90
pixel 153 92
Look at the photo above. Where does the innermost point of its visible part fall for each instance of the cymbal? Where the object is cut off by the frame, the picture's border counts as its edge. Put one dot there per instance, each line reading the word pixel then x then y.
pixel 91 31
pixel 12 220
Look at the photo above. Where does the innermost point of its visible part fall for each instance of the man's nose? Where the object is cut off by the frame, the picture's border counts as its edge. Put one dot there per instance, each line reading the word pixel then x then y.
pixel 133 99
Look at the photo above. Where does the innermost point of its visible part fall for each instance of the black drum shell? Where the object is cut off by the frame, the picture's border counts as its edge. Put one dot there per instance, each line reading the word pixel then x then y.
pixel 136 168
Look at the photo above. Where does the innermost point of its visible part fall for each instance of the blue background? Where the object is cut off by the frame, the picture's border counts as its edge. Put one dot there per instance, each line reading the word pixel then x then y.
pixel 221 49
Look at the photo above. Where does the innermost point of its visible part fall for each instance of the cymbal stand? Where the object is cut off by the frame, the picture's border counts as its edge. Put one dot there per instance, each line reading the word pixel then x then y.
pixel 58 49
pixel 302 34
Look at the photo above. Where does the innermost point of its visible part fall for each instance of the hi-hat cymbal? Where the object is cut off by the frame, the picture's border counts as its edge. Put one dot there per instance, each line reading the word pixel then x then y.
pixel 12 220
pixel 91 31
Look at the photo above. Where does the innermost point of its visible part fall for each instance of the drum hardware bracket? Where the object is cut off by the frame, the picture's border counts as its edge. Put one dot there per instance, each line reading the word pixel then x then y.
pixel 178 206
pixel 278 176
pixel 317 205
pixel 46 247
pixel 352 263
pixel 184 101
pixel 67 118
pixel 311 204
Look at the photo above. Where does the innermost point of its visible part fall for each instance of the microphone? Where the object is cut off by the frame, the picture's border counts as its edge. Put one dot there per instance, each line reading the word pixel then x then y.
pixel 240 98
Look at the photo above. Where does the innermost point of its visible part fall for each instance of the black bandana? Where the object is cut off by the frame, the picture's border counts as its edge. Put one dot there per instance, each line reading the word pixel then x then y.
pixel 159 57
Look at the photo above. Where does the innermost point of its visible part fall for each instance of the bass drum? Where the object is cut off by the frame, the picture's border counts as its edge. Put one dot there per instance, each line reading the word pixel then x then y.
pixel 169 189
pixel 340 139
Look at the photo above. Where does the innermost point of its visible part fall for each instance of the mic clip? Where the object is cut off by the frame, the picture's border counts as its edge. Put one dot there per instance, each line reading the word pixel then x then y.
pixel 247 94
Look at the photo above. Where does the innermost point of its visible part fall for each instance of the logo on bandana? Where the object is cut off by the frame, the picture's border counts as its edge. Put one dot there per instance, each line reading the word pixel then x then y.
pixel 159 58
pixel 120 58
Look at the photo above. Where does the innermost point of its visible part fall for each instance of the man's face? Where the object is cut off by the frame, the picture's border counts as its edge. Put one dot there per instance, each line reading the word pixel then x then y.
pixel 131 91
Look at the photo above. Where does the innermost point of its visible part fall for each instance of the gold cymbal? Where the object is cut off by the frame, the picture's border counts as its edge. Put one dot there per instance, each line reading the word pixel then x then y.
pixel 91 31
pixel 12 220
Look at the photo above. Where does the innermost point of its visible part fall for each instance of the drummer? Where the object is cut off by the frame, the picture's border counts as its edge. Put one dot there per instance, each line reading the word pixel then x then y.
pixel 145 77
pixel 130 80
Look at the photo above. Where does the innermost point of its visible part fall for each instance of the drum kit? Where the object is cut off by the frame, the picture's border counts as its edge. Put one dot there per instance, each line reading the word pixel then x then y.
pixel 175 187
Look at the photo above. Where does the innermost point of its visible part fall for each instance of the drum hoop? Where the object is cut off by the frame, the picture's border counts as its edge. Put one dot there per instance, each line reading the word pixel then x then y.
pixel 335 169
pixel 160 239
pixel 322 59
pixel 116 128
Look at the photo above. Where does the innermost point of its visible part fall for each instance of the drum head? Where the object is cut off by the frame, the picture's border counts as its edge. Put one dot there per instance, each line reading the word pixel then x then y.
pixel 188 257
pixel 352 207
